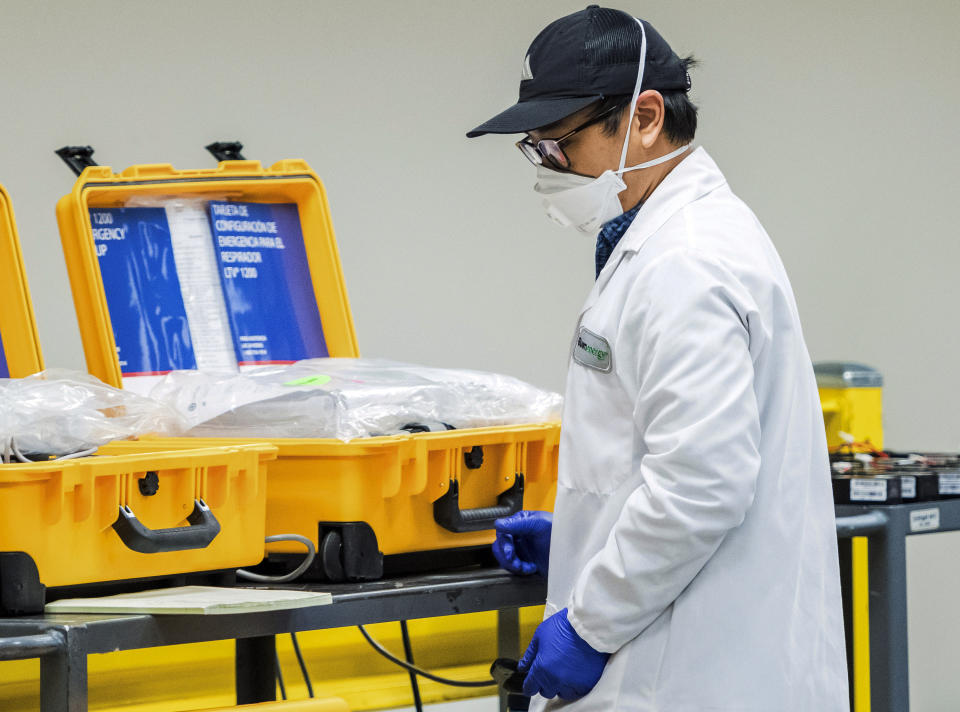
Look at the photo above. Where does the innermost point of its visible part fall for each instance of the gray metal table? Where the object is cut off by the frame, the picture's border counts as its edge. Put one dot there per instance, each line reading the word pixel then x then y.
pixel 62 642
pixel 887 527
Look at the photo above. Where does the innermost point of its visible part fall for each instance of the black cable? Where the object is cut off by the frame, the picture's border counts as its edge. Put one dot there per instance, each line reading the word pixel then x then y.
pixel 408 651
pixel 283 689
pixel 419 671
pixel 303 665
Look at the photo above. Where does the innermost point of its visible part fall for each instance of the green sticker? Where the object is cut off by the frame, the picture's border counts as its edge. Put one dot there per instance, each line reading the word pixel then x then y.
pixel 309 381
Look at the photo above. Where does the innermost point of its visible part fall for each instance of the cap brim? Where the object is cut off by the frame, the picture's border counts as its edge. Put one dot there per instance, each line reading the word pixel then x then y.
pixel 528 115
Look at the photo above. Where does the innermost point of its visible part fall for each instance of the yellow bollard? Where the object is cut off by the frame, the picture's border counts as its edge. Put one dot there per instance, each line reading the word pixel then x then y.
pixel 860 604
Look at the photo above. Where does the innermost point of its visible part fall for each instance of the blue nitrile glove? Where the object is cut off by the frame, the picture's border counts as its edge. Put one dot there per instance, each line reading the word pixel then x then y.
pixel 560 662
pixel 523 542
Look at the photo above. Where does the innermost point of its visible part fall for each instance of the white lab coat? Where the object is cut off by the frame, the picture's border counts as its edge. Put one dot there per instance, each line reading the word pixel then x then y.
pixel 693 534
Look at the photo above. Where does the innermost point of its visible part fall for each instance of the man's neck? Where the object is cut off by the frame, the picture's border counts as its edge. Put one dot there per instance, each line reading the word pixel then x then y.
pixel 642 183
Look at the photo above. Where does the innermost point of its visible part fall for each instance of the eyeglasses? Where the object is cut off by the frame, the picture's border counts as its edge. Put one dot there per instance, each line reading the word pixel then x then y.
pixel 548 150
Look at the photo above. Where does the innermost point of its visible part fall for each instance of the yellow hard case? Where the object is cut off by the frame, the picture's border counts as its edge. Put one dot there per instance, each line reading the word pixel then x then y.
pixel 19 345
pixel 358 501
pixel 193 511
pixel 137 515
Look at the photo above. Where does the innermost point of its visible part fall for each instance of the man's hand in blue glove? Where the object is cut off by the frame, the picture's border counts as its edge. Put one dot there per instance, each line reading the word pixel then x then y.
pixel 523 542
pixel 560 662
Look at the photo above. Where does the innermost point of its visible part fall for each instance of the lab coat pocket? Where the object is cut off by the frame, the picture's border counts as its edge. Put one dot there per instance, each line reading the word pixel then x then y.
pixel 600 461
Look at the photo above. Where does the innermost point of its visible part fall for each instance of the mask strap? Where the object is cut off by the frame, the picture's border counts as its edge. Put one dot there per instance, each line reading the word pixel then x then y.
pixel 636 93
pixel 657 161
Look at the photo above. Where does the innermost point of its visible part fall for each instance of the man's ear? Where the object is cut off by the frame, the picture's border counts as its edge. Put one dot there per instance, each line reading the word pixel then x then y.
pixel 648 118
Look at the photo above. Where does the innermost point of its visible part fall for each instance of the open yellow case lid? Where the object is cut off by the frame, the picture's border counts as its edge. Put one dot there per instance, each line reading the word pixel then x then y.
pixel 203 269
pixel 19 346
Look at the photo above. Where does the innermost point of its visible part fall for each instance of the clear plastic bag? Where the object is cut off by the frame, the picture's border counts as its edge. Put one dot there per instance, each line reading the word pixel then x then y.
pixel 60 413
pixel 350 398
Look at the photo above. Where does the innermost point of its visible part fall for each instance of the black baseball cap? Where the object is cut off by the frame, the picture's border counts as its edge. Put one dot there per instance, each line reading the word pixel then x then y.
pixel 580 59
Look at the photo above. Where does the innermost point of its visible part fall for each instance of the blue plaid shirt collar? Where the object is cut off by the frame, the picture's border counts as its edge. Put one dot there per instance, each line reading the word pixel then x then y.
pixel 610 235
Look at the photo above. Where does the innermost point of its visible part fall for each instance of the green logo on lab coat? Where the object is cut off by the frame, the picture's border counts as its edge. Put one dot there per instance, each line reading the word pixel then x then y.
pixel 592 351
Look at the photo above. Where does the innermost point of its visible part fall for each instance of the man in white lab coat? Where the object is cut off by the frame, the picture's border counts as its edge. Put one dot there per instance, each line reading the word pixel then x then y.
pixel 692 554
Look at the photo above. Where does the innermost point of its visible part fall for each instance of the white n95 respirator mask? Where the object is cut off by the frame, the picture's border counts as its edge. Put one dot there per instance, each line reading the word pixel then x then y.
pixel 585 202
pixel 581 201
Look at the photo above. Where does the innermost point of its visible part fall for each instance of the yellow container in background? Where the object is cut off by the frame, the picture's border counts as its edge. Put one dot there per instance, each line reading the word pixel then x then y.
pixel 851 395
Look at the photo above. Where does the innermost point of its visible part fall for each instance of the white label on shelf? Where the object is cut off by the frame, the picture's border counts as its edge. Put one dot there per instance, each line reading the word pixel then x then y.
pixel 908 487
pixel 949 483
pixel 925 520
pixel 868 490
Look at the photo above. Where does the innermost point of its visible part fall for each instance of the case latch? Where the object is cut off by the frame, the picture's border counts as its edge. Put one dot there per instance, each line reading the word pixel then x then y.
pixel 77 157
pixel 226 150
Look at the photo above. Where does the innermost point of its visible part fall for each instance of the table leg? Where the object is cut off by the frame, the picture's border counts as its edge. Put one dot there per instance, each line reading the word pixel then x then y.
pixel 508 641
pixel 845 550
pixel 889 676
pixel 63 677
pixel 256 669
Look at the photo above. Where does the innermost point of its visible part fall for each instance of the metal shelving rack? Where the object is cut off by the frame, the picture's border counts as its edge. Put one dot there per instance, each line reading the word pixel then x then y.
pixel 887 528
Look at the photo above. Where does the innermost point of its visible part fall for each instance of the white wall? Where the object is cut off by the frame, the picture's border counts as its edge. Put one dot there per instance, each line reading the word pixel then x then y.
pixel 835 121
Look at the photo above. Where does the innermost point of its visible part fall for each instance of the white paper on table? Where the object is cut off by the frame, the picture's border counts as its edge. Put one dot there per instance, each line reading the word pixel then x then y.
pixel 194 600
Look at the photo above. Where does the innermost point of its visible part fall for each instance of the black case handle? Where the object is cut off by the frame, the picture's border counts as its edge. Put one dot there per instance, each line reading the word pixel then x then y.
pixel 202 530
pixel 447 512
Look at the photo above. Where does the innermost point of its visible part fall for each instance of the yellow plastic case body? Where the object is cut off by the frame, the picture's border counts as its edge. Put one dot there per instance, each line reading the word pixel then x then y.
pixel 19 345
pixel 851 396
pixel 390 483
pixel 61 513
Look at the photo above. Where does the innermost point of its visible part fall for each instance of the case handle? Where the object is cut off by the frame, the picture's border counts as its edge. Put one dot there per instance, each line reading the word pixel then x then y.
pixel 447 512
pixel 202 530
